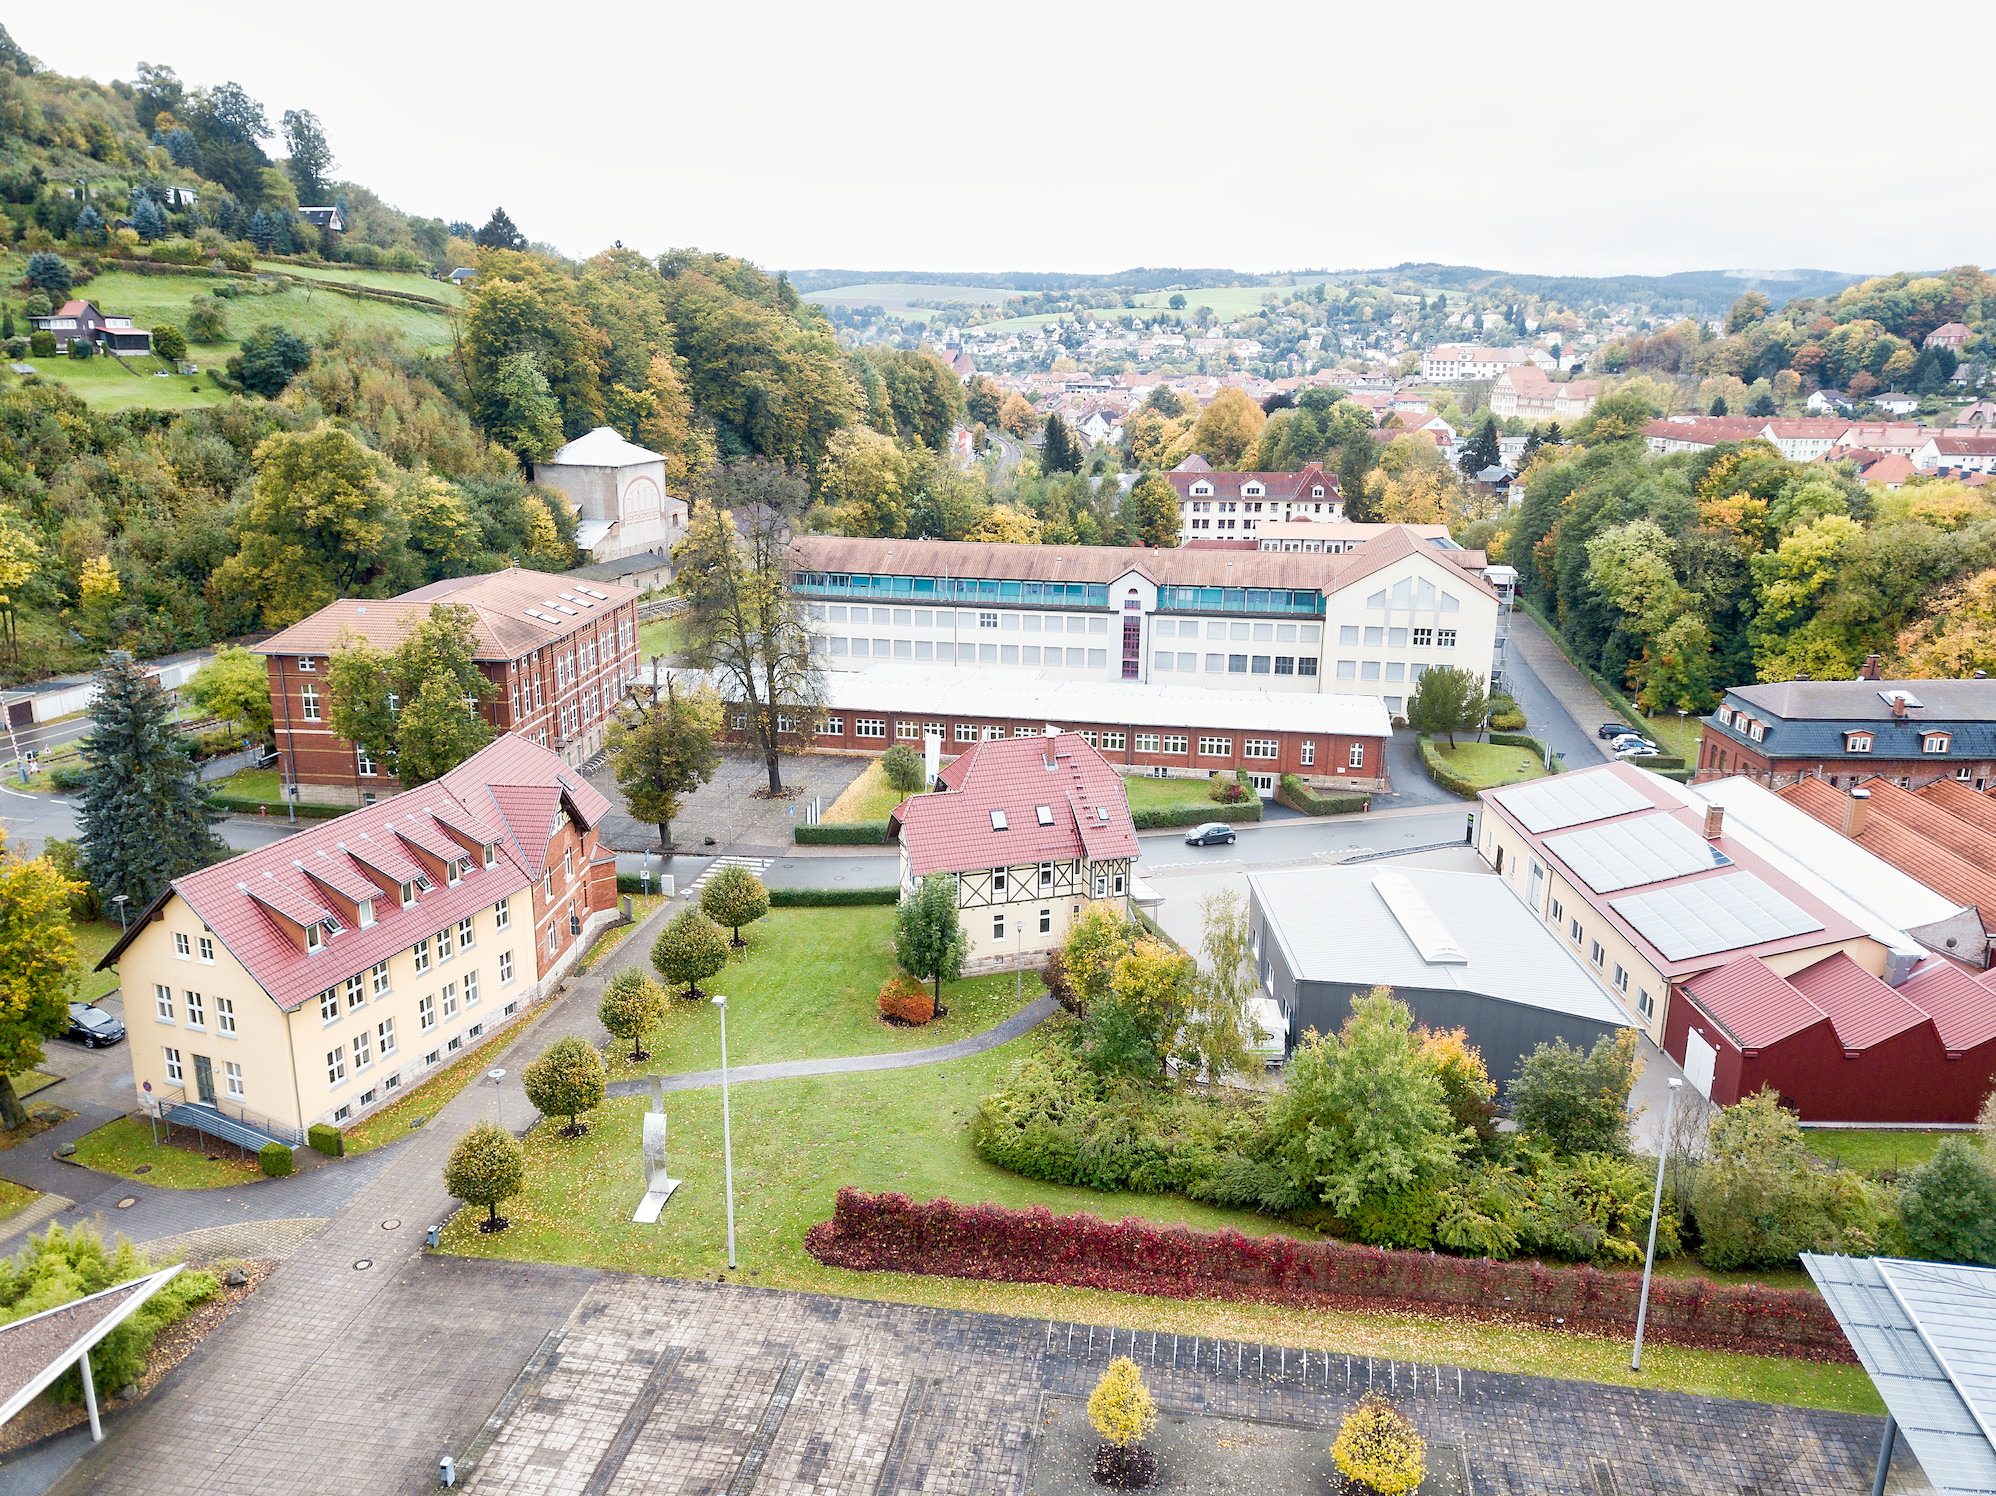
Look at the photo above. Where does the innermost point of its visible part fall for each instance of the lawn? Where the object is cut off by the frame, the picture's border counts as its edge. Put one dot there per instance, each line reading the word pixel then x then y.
pixel 1870 1151
pixel 252 784
pixel 1487 765
pixel 426 1100
pixel 659 637
pixel 109 384
pixel 94 939
pixel 1165 794
pixel 809 987
pixel 797 1142
pixel 125 1147
pixel 15 1198
pixel 407 282
pixel 868 798
pixel 1675 734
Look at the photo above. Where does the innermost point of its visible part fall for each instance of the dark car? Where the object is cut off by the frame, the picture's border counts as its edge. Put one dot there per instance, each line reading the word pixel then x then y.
pixel 1212 834
pixel 91 1027
pixel 1615 730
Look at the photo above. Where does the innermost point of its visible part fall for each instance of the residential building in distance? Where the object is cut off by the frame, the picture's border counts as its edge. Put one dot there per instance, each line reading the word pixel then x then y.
pixel 616 490
pixel 1340 536
pixel 1230 506
pixel 314 979
pixel 1966 454
pixel 1161 730
pixel 1034 830
pixel 1849 731
pixel 559 653
pixel 1367 622
pixel 1450 362
pixel 1525 393
pixel 1947 335
pixel 81 322
pixel 1450 945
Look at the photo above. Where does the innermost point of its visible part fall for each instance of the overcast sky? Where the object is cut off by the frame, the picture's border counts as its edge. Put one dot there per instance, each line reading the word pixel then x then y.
pixel 1091 137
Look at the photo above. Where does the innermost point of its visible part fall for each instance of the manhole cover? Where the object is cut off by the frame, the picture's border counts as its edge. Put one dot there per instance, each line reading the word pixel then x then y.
pixel 390 1225
pixel 363 1265
pixel 128 1202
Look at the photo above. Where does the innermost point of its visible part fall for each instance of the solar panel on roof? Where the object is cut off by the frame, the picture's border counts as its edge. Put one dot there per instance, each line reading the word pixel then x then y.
pixel 1624 854
pixel 1715 914
pixel 1571 800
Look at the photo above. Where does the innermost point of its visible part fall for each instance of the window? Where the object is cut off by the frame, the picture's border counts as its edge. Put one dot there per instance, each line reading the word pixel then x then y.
pixel 1147 742
pixel 987 620
pixel 997 927
pixel 470 988
pixel 1573 931
pixel 1114 741
pixel 364 762
pixel 356 991
pixel 1645 1004
pixel 1445 638
pixel 1758 731
pixel 869 727
pixel 306 665
pixel 1260 747
pixel 197 1012
pixel 181 950
pixel 225 1015
pixel 366 910
pixel 1216 747
pixel 444 947
pixel 162 997
pixel 450 1001
pixel 505 967
pixel 1556 912
pixel 1046 921
pixel 314 937
pixel 423 954
pixel 1934 742
pixel 1356 758
pixel 378 978
pixel 1308 752
pixel 363 1050
pixel 1621 978
pixel 1046 875
pixel 426 1013
pixel 1284 664
pixel 908 731
pixel 1596 954
pixel 1856 742
pixel 554 938
pixel 998 880
pixel 408 895
pixel 232 1079
pixel 491 855
pixel 1176 742
pixel 336 1066
pixel 308 698
pixel 173 1071
pixel 966 732
pixel 502 914
pixel 1237 664
pixel 464 934
pixel 329 1004
pixel 1423 638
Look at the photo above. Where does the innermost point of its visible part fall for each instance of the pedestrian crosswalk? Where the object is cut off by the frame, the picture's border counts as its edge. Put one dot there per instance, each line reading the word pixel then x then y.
pixel 756 865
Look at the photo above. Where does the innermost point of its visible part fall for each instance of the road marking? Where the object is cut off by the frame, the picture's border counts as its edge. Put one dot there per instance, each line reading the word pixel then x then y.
pixel 756 865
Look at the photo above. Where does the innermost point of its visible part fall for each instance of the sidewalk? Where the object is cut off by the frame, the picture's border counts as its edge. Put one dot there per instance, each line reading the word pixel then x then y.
pixel 1578 699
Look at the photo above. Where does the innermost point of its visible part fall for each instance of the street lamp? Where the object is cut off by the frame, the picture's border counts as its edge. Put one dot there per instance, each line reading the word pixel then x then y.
pixel 727 1135
pixel 119 900
pixel 1018 961
pixel 498 1093
pixel 1655 1209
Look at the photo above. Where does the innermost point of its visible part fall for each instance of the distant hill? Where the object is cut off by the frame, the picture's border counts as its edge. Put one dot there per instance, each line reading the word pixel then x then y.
pixel 1140 278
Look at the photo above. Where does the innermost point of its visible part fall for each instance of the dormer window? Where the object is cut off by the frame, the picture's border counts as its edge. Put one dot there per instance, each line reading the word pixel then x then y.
pixel 1857 742
pixel 408 896
pixel 491 855
pixel 1202 490
pixel 454 870
pixel 366 909
pixel 1317 492
pixel 1934 742
pixel 313 939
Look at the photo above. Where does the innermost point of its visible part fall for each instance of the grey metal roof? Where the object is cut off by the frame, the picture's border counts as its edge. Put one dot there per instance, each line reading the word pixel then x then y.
pixel 1335 926
pixel 1623 854
pixel 1926 1331
pixel 1571 800
pixel 1712 915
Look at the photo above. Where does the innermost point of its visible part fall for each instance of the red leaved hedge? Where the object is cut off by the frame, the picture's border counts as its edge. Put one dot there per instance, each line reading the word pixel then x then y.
pixel 892 1233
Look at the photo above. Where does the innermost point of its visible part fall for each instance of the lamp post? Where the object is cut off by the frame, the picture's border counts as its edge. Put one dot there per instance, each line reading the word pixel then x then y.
pixel 498 1094
pixel 727 1135
pixel 119 900
pixel 1018 961
pixel 1655 1208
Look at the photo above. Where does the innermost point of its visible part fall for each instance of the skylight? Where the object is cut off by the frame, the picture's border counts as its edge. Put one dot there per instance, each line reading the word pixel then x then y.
pixel 1045 814
pixel 998 822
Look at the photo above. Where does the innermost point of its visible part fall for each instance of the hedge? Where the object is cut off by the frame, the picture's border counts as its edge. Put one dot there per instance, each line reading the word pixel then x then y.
pixel 275 1160
pixel 1441 773
pixel 1151 817
pixel 308 810
pixel 848 834
pixel 326 1138
pixel 1297 795
pixel 830 898
pixel 891 1233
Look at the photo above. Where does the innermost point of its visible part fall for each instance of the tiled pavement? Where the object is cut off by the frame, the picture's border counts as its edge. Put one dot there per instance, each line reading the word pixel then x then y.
pixel 727 808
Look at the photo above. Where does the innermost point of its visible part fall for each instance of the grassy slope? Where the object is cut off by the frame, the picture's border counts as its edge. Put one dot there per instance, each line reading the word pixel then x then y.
pixel 94 938
pixel 381 280
pixel 1869 1152
pixel 1488 764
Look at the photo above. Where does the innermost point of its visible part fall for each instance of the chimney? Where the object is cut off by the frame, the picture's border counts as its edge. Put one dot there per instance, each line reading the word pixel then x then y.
pixel 1898 706
pixel 1715 822
pixel 1854 808
pixel 1870 669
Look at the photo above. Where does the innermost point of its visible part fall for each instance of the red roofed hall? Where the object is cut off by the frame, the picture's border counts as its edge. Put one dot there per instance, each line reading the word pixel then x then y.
pixel 1032 830
pixel 313 979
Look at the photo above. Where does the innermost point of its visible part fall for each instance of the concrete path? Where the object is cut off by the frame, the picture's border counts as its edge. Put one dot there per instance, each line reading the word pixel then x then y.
pixel 1031 1016
pixel 1559 703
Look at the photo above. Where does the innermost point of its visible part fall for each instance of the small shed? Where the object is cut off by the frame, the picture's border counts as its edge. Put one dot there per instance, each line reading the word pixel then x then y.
pixel 1460 949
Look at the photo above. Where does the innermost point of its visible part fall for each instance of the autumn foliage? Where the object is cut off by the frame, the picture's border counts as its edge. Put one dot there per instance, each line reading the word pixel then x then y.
pixel 906 1000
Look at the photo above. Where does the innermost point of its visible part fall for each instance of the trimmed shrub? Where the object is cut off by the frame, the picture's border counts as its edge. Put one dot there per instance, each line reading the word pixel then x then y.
pixel 689 950
pixel 307 810
pixel 850 834
pixel 1123 1413
pixel 485 1167
pixel 632 1006
pixel 1297 795
pixel 1660 762
pixel 1508 721
pixel 41 343
pixel 830 898
pixel 1378 1446
pixel 1152 817
pixel 566 1081
pixel 327 1139
pixel 275 1160
pixel 906 1000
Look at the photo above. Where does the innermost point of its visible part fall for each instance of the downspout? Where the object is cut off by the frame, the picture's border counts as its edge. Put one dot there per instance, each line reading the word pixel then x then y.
pixel 291 1053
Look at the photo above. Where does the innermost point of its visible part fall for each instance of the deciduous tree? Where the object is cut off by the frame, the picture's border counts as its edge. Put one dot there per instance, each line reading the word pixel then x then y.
pixel 928 936
pixel 308 159
pixel 734 897
pixel 1948 1206
pixel 37 969
pixel 1228 429
pixel 1149 511
pixel 662 749
pixel 633 1005
pixel 1219 1036
pixel 690 950
pixel 413 708
pixel 486 1167
pixel 1576 1101
pixel 234 685
pixel 566 1081
pixel 270 359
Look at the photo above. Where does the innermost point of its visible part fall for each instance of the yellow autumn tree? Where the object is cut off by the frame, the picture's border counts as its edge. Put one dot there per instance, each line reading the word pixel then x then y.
pixel 1120 1407
pixel 99 591
pixel 1228 429
pixel 1957 636
pixel 1011 526
pixel 670 428
pixel 1378 1445
pixel 546 550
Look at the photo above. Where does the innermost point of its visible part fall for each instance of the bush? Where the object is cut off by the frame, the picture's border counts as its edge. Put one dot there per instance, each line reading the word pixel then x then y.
pixel 830 898
pixel 850 834
pixel 1761 1198
pixel 1223 790
pixel 689 950
pixel 1297 795
pixel 902 768
pixel 566 1081
pixel 207 319
pixel 906 1000
pixel 41 343
pixel 1153 817
pixel 327 1139
pixel 485 1167
pixel 1378 1446
pixel 275 1159
pixel 169 342
pixel 68 778
pixel 1573 1101
pixel 1508 721
pixel 82 349
pixel 632 1006
pixel 1948 1206
pixel 1123 1413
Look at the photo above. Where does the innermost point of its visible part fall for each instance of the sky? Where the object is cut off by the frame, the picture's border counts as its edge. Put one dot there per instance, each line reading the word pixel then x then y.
pixel 1090 137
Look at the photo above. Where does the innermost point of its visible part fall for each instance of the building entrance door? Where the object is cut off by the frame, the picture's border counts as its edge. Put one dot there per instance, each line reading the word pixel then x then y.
pixel 204 1078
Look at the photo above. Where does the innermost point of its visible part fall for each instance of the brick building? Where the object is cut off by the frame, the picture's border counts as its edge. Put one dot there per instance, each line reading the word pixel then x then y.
pixel 1910 732
pixel 559 651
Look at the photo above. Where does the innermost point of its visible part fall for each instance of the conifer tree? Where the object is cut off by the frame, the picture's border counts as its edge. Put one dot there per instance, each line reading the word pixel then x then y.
pixel 141 816
pixel 499 233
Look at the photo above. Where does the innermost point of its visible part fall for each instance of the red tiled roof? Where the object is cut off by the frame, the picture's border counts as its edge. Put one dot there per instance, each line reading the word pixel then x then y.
pixel 233 897
pixel 1922 835
pixel 498 601
pixel 952 831
pixel 1862 1009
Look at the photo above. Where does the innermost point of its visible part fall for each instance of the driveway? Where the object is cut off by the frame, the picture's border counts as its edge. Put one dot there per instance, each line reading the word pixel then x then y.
pixel 1559 704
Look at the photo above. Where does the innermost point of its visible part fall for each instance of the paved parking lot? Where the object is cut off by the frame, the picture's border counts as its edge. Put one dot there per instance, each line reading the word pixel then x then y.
pixel 727 809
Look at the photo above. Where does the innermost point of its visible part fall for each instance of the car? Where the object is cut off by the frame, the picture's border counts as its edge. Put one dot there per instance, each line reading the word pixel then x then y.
pixel 91 1026
pixel 1622 739
pixel 1212 834
pixel 1615 730
pixel 1635 748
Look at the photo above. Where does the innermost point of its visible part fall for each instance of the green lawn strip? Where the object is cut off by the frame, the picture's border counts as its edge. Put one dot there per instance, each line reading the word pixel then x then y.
pixel 94 939
pixel 659 637
pixel 796 1142
pixel 407 282
pixel 1487 765
pixel 107 384
pixel 1870 1151
pixel 125 1146
pixel 15 1198
pixel 252 784
pixel 809 988
pixel 383 1127
pixel 1165 794
pixel 30 1081
pixel 868 798
pixel 1674 734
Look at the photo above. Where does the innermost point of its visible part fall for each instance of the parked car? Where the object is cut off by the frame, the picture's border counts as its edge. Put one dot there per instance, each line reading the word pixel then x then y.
pixel 1614 730
pixel 1212 834
pixel 91 1027
pixel 1635 748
